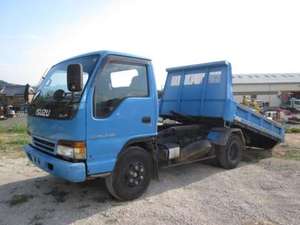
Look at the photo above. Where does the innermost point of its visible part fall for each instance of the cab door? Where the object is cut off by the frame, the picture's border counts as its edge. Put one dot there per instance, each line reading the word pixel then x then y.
pixel 122 106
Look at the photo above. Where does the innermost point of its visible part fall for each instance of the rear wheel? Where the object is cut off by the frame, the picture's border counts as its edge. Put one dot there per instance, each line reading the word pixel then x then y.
pixel 132 174
pixel 229 156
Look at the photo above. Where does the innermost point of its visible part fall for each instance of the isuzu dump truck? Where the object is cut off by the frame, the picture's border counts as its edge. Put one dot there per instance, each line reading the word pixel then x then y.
pixel 98 115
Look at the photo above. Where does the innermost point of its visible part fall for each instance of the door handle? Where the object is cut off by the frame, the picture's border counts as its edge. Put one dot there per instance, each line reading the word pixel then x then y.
pixel 146 119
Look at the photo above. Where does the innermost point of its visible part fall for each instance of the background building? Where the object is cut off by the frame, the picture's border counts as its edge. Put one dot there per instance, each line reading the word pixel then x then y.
pixel 12 94
pixel 272 89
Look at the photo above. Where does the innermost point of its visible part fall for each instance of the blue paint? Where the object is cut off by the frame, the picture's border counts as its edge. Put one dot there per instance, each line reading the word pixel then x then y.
pixel 74 172
pixel 214 135
pixel 207 99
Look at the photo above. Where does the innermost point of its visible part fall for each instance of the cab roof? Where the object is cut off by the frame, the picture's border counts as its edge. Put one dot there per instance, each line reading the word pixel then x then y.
pixel 106 53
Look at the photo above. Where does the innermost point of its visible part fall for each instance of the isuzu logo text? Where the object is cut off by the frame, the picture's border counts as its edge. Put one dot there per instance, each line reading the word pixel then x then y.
pixel 43 112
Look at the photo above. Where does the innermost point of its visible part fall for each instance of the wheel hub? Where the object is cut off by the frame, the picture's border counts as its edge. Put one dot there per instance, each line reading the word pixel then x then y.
pixel 135 175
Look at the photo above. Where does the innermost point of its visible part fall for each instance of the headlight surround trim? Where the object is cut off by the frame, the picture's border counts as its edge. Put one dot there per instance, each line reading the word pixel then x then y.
pixel 71 149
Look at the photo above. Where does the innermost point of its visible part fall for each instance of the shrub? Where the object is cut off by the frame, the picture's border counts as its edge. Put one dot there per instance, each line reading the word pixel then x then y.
pixel 293 130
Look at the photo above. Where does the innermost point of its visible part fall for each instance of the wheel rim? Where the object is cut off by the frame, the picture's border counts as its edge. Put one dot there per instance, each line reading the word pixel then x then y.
pixel 135 174
pixel 233 151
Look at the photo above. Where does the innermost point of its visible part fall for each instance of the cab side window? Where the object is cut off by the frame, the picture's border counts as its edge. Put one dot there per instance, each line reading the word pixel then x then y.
pixel 117 82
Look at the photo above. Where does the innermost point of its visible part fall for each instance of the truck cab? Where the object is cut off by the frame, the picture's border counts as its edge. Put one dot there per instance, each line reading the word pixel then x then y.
pixel 78 135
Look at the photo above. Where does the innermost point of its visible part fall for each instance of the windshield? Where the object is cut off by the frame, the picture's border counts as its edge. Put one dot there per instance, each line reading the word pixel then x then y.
pixel 45 103
pixel 56 80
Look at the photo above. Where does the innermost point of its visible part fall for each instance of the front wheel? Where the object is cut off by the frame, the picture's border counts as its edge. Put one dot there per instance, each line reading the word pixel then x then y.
pixel 229 156
pixel 132 174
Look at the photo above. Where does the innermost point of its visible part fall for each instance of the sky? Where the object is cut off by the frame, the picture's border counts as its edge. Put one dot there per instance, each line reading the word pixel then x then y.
pixel 256 36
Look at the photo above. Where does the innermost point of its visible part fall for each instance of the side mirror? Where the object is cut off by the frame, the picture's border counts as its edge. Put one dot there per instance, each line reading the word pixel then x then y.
pixel 74 77
pixel 28 94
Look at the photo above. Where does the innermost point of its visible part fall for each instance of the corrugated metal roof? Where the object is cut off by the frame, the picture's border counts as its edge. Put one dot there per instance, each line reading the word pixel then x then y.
pixel 265 78
pixel 12 90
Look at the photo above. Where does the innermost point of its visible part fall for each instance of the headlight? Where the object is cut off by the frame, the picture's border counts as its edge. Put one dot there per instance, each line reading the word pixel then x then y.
pixel 71 149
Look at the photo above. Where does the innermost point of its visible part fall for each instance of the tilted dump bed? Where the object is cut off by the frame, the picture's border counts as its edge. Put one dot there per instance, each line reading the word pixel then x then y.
pixel 204 91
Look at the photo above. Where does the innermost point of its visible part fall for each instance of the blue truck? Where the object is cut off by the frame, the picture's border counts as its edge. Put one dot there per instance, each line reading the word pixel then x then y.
pixel 98 115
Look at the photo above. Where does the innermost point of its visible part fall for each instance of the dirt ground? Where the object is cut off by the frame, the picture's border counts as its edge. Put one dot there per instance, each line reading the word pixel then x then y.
pixel 263 190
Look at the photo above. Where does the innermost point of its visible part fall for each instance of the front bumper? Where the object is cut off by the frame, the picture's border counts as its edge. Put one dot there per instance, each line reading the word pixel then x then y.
pixel 74 172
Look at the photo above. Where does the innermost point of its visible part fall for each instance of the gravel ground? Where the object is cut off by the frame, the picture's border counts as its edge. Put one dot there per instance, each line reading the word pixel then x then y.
pixel 262 193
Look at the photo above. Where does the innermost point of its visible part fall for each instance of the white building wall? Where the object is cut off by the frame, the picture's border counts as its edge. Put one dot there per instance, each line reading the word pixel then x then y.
pixel 273 100
pixel 252 88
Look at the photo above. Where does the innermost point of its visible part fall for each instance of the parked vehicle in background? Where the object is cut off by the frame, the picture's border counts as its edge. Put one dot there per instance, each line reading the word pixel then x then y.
pixel 2 113
pixel 96 115
pixel 7 112
pixel 292 104
pixel 11 112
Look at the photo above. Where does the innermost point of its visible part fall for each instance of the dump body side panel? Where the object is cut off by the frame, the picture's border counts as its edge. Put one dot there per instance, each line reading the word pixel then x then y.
pixel 202 90
pixel 246 117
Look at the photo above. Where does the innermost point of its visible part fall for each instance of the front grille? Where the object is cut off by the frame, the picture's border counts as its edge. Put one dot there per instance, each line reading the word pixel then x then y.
pixel 43 144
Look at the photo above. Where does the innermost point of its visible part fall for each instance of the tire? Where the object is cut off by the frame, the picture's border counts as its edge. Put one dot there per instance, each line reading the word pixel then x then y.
pixel 230 155
pixel 132 174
